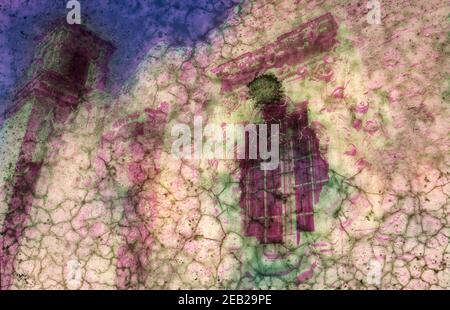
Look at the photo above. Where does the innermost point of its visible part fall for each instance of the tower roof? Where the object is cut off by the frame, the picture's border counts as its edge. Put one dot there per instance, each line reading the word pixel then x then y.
pixel 67 60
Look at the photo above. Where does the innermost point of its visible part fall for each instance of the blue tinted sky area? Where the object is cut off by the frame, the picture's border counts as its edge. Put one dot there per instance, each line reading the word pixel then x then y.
pixel 134 26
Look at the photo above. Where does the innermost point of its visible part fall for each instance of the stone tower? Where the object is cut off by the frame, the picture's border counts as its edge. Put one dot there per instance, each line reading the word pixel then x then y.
pixel 69 63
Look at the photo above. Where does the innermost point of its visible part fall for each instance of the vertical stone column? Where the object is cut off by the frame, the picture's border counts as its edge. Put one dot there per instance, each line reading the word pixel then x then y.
pixel 69 62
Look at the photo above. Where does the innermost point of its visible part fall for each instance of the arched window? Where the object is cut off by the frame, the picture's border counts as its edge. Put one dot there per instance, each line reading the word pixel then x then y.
pixel 78 69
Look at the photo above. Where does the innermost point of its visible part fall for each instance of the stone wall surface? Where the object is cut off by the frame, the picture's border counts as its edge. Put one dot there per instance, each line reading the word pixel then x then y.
pixel 112 208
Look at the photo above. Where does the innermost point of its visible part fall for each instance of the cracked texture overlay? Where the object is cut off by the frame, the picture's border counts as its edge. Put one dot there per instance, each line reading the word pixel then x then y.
pixel 92 196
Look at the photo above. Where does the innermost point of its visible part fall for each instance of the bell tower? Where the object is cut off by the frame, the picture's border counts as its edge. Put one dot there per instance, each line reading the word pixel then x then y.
pixel 70 62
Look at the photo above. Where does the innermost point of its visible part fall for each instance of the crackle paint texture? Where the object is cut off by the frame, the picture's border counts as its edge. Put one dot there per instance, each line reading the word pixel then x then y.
pixel 91 196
